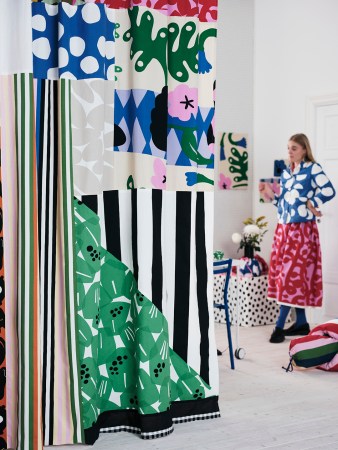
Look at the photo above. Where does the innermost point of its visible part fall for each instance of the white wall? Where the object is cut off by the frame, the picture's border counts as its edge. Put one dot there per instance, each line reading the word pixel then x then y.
pixel 234 109
pixel 295 57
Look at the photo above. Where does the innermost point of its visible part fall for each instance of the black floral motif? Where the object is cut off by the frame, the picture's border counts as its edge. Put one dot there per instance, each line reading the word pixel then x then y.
pixel 159 115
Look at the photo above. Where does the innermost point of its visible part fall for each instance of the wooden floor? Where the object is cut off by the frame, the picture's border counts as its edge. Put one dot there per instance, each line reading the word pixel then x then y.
pixel 262 406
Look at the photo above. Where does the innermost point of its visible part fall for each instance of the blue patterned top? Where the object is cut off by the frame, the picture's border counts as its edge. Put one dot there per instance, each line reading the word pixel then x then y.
pixel 307 181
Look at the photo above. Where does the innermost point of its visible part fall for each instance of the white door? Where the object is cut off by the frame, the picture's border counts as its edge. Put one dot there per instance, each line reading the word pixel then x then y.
pixel 326 153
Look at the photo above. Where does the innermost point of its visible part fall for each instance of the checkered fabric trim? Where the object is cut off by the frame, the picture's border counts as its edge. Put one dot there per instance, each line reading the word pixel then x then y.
pixel 213 415
pixel 144 435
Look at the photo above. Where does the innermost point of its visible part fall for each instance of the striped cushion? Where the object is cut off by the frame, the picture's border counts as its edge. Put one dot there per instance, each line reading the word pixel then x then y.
pixel 318 349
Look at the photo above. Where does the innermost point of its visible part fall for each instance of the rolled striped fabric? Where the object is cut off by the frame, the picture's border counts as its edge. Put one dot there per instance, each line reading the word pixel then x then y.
pixel 318 349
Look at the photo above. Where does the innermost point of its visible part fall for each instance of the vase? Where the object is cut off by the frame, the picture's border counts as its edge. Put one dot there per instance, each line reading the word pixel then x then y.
pixel 248 251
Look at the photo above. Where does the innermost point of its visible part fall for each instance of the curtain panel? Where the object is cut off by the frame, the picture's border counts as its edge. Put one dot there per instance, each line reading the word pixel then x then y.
pixel 106 218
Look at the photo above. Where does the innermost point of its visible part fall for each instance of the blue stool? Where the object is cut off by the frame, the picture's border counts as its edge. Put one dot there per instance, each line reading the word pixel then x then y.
pixel 224 267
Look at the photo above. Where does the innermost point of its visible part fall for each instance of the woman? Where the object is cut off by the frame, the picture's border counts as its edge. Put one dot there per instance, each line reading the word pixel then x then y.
pixel 295 275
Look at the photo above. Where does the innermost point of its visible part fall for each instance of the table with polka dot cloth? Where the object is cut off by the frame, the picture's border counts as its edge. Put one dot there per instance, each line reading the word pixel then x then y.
pixel 254 308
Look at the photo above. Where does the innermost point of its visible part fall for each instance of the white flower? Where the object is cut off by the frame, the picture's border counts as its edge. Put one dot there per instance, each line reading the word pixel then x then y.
pixel 251 230
pixel 236 238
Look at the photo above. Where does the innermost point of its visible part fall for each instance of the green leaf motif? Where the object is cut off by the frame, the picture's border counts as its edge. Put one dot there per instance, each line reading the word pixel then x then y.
pixel 125 358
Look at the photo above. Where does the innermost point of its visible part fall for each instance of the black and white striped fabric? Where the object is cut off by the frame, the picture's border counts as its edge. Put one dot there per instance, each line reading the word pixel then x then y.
pixel 47 151
pixel 171 257
pixel 59 377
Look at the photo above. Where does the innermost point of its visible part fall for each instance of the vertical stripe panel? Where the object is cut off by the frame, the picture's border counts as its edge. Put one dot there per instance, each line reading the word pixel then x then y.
pixel 126 227
pixel 194 335
pixel 182 273
pixel 209 244
pixel 134 231
pixel 63 422
pixel 112 222
pixel 202 284
pixel 144 240
pixel 47 191
pixel 66 195
pixel 29 429
pixel 91 202
pixel 10 205
pixel 100 213
pixel 169 257
pixel 157 263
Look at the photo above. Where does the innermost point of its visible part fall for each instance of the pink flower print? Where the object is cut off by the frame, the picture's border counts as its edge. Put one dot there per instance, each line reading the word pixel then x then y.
pixel 159 179
pixel 224 182
pixel 182 102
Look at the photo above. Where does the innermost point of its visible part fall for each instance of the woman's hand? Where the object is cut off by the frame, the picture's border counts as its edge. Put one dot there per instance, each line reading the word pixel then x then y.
pixel 314 211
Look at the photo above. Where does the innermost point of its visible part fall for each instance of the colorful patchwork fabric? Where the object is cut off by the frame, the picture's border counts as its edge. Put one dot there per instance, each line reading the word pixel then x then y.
pixel 319 349
pixel 112 100
pixel 182 137
pixel 206 10
pixel 307 182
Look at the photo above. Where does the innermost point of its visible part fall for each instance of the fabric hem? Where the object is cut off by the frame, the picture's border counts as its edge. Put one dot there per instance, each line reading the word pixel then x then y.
pixel 152 426
pixel 292 305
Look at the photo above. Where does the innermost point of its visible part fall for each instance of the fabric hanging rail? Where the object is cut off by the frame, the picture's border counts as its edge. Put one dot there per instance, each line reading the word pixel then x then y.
pixel 106 218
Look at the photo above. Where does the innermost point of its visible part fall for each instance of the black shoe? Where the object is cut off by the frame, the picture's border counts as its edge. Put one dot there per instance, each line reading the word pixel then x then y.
pixel 301 330
pixel 277 336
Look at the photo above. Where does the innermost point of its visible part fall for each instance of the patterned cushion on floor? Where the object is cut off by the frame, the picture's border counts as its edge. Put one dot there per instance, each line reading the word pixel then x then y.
pixel 319 349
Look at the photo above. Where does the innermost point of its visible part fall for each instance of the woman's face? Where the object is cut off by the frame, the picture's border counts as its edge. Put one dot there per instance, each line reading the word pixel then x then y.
pixel 296 152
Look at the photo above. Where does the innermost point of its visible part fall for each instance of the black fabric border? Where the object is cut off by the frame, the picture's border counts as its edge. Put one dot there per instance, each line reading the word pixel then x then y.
pixel 151 426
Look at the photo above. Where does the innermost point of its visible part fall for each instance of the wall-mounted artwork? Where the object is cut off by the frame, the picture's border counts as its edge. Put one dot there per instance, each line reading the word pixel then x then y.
pixel 268 187
pixel 278 166
pixel 233 165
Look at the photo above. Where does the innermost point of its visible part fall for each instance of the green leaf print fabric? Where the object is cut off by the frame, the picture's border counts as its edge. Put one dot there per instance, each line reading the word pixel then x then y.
pixel 125 359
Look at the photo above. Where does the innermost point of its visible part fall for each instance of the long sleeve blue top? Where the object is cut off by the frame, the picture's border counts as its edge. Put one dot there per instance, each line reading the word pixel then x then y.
pixel 307 182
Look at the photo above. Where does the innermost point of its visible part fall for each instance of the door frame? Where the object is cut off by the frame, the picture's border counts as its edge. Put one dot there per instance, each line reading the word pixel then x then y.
pixel 312 104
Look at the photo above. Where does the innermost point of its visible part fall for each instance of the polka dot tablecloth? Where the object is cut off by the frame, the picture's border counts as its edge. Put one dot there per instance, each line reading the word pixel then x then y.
pixel 254 308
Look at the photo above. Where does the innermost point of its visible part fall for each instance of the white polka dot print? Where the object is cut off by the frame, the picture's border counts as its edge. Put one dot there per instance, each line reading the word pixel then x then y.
pixel 69 9
pixel 68 75
pixel 101 45
pixel 91 13
pixel 61 30
pixel 41 48
pixel 63 57
pixel 110 49
pixel 111 72
pixel 38 22
pixel 77 46
pixel 51 10
pixel 89 64
pixel 53 73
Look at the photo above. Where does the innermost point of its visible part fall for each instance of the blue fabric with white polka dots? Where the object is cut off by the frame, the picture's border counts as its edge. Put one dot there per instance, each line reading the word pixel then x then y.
pixel 307 182
pixel 73 42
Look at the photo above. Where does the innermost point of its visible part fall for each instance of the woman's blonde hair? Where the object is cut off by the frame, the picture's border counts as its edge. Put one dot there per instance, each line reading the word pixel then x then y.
pixel 303 140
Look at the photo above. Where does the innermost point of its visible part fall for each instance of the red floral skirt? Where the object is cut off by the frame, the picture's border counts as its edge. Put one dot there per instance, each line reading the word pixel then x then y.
pixel 295 274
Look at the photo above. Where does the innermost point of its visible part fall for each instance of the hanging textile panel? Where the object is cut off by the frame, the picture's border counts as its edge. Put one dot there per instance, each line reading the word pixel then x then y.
pixel 131 378
pixel 120 277
pixel 167 117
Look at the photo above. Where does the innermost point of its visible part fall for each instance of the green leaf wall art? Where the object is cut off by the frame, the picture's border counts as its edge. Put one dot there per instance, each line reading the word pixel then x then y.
pixel 233 163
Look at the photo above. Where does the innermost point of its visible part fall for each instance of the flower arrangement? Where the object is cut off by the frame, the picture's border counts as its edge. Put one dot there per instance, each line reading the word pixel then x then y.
pixel 252 235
